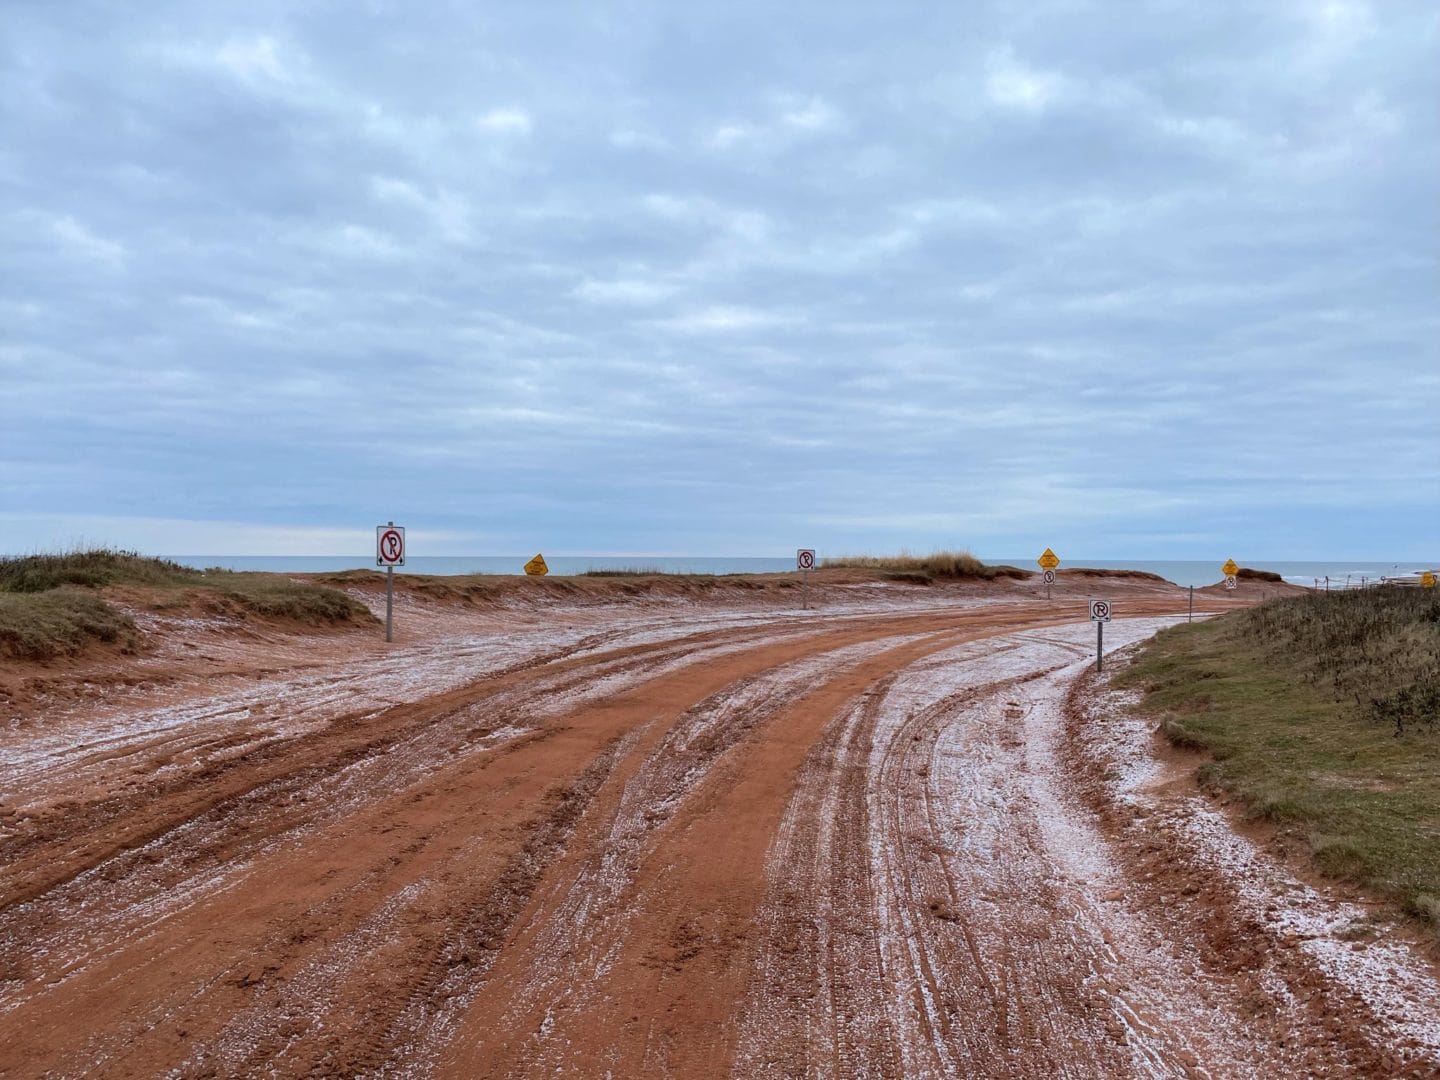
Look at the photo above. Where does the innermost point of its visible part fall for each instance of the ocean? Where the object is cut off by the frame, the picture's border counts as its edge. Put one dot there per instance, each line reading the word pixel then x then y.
pixel 1180 571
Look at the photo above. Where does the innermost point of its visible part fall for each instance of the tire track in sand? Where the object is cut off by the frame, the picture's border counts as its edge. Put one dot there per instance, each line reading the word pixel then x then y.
pixel 373 905
pixel 937 907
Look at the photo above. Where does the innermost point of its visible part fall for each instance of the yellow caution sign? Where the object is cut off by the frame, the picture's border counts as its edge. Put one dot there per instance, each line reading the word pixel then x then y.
pixel 1427 580
pixel 536 567
pixel 1230 569
pixel 1049 560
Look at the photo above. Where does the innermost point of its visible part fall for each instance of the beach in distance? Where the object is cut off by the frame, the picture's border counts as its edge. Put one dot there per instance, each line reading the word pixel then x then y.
pixel 1180 571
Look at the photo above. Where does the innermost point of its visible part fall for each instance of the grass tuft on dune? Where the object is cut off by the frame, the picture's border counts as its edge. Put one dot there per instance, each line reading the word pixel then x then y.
pixel 938 565
pixel 49 606
pixel 60 622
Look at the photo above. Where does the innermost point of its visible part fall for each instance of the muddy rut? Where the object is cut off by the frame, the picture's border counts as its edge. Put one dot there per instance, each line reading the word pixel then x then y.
pixel 856 845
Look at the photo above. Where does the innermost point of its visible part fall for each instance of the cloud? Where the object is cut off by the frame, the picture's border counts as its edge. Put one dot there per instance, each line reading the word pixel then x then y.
pixel 811 114
pixel 504 122
pixel 448 213
pixel 724 319
pixel 1012 84
pixel 254 59
pixel 629 291
pixel 185 536
pixel 785 121
pixel 85 244
pixel 870 281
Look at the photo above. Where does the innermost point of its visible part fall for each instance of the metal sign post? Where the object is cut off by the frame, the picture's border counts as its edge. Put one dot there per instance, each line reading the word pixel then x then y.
pixel 1099 615
pixel 1047 562
pixel 389 553
pixel 1191 616
pixel 805 562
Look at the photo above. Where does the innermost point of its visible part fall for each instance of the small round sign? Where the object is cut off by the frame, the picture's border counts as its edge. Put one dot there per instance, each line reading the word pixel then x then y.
pixel 805 559
pixel 1048 577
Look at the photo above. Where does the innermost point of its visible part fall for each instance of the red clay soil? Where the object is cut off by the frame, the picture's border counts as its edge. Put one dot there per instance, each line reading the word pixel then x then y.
pixel 694 833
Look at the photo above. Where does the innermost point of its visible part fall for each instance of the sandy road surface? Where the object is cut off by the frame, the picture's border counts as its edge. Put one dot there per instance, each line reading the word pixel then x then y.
pixel 690 843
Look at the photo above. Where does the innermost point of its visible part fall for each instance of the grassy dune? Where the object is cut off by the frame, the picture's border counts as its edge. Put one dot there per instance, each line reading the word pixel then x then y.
pixel 59 622
pixel 1322 713
pixel 50 605
pixel 939 565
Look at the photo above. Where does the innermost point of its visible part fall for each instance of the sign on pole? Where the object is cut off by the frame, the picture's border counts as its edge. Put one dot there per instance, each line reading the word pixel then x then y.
pixel 1047 562
pixel 389 545
pixel 1099 615
pixel 389 553
pixel 1230 581
pixel 536 567
pixel 1427 580
pixel 805 562
pixel 1230 569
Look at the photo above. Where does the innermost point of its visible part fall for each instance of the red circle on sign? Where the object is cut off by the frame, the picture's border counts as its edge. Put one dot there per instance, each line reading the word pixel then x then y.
pixel 392 546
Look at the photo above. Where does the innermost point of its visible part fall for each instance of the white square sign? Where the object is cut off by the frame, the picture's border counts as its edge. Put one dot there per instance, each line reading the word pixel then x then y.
pixel 805 559
pixel 389 545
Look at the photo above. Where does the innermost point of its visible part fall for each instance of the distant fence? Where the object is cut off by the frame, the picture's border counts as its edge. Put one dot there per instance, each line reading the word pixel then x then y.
pixel 1361 581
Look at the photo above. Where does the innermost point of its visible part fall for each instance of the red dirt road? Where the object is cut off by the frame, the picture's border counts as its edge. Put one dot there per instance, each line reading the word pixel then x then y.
pixel 883 841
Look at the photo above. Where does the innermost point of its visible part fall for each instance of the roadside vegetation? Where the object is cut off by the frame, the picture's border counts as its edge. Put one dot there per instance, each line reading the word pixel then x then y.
pixel 922 569
pixel 60 622
pixel 50 604
pixel 1322 714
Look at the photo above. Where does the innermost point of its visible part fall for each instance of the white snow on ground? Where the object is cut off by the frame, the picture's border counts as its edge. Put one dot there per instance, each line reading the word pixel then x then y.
pixel 1016 856
pixel 992 911
pixel 1398 987
pixel 91 740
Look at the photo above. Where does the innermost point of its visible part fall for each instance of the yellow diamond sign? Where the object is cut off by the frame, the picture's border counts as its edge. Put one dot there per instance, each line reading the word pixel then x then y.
pixel 536 567
pixel 1229 569
pixel 1427 580
pixel 1049 560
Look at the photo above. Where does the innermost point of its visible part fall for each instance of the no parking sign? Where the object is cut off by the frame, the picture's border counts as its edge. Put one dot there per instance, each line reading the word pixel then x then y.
pixel 1099 615
pixel 389 545
pixel 389 553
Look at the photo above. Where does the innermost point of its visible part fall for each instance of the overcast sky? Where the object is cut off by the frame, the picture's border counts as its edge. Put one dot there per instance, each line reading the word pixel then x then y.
pixel 1131 280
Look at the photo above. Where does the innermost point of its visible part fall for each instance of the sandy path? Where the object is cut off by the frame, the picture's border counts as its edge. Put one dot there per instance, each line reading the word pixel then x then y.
pixel 723 844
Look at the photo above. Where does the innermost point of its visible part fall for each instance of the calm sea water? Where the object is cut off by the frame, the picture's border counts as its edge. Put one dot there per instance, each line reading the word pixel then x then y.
pixel 1182 572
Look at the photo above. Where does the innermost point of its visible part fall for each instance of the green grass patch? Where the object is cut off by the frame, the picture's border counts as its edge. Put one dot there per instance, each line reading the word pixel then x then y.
pixel 49 609
pixel 914 577
pixel 38 573
pixel 59 622
pixel 945 565
pixel 1297 701
pixel 276 597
